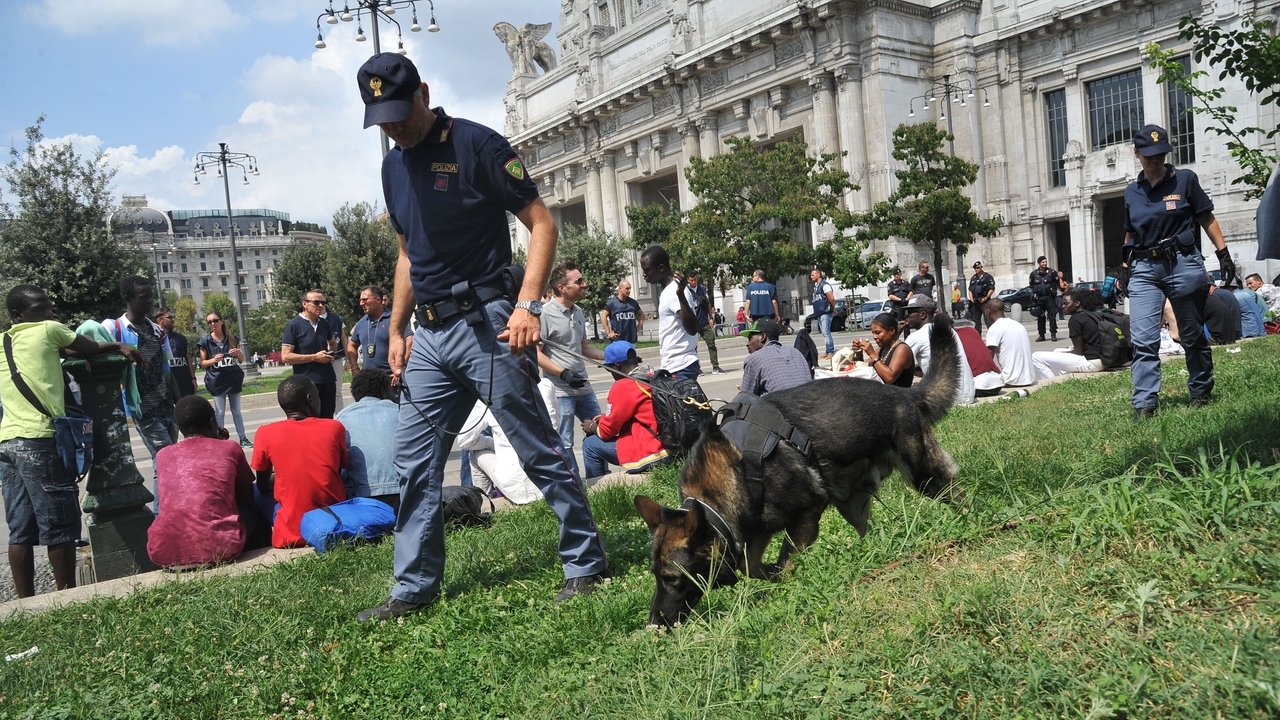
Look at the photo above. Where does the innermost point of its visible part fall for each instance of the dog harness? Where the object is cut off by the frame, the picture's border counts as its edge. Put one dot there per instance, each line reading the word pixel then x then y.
pixel 755 427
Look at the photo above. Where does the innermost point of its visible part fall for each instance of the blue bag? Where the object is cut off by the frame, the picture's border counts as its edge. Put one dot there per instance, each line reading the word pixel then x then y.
pixel 354 520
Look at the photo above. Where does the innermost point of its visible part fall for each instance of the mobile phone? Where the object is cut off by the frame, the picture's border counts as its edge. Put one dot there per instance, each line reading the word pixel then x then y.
pixel 333 353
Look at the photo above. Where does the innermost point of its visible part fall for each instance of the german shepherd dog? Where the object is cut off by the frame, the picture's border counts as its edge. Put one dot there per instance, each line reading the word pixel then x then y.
pixel 859 431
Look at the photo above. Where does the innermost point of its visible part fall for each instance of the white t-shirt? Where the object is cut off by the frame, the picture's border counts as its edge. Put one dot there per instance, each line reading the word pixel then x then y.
pixel 678 348
pixel 1013 352
pixel 918 341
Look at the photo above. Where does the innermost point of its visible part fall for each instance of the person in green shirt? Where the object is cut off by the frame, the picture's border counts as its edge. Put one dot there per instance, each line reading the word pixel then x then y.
pixel 41 500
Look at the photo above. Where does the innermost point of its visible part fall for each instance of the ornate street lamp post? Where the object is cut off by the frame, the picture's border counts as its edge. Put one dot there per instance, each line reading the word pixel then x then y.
pixel 224 159
pixel 952 93
pixel 375 9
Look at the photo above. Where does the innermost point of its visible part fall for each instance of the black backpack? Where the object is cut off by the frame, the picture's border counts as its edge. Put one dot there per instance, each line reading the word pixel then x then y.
pixel 1115 349
pixel 464 505
pixel 679 423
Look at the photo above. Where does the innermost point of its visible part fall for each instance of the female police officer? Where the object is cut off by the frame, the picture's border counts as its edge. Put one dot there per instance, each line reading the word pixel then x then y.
pixel 1164 206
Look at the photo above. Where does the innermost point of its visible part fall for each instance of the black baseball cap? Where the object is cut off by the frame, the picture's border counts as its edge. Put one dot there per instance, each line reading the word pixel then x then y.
pixel 770 328
pixel 387 83
pixel 1152 140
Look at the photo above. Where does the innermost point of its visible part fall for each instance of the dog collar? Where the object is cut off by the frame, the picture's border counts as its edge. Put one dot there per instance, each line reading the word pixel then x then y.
pixel 720 526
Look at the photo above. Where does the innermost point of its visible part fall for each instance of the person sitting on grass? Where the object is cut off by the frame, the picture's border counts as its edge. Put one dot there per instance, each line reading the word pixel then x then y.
pixel 371 427
pixel 987 380
pixel 1010 346
pixel 208 488
pixel 626 434
pixel 1085 355
pixel 889 356
pixel 298 461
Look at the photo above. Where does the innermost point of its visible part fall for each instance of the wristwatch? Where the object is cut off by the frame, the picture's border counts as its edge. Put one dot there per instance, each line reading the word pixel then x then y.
pixel 533 306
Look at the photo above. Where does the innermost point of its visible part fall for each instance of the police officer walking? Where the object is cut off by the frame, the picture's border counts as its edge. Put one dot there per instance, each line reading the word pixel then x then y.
pixel 1165 208
pixel 1044 286
pixel 981 287
pixel 448 185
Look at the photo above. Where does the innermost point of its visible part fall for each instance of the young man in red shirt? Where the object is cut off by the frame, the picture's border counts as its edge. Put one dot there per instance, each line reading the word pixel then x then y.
pixel 299 460
pixel 626 434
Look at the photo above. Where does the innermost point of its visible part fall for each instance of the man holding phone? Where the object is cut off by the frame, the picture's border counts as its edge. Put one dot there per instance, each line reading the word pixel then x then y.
pixel 310 347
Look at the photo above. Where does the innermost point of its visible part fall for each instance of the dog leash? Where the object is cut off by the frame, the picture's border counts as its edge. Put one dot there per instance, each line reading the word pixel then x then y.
pixel 640 379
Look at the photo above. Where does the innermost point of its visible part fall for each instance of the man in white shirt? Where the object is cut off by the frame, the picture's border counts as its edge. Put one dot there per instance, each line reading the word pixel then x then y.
pixel 677 322
pixel 1010 346
pixel 920 311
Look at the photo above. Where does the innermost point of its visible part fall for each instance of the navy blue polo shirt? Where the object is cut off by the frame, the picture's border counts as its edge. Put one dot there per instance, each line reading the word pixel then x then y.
pixel 1170 208
pixel 760 297
pixel 372 342
pixel 700 306
pixel 306 340
pixel 449 196
pixel 623 315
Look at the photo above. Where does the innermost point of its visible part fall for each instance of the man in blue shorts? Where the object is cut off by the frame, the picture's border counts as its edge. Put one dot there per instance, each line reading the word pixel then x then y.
pixel 449 184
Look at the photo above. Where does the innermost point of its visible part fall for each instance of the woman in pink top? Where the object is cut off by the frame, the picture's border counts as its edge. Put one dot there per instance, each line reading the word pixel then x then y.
pixel 209 480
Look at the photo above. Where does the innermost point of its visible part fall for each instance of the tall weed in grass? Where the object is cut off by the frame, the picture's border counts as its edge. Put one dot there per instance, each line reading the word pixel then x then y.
pixel 1142 587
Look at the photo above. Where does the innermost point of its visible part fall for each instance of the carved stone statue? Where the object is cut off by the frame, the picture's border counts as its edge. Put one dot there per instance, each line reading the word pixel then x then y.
pixel 526 48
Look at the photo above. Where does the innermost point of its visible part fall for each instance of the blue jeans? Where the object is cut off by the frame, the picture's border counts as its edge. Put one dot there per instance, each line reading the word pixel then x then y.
pixel 824 322
pixel 572 409
pixel 41 499
pixel 157 434
pixel 689 372
pixel 220 403
pixel 598 455
pixel 1183 282
pixel 448 370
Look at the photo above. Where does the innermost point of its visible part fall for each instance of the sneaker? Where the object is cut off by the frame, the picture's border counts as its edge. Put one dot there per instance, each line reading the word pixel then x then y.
pixel 391 609
pixel 1199 402
pixel 578 586
pixel 1140 414
pixel 717 371
pixel 244 442
pixel 1040 339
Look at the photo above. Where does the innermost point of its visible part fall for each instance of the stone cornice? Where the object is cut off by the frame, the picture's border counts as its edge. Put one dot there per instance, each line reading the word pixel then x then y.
pixel 1060 19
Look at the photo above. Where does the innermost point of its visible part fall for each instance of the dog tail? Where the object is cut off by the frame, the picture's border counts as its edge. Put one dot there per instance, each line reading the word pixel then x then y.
pixel 936 394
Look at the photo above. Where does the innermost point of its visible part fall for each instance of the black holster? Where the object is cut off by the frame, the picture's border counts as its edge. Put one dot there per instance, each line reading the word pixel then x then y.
pixel 464 296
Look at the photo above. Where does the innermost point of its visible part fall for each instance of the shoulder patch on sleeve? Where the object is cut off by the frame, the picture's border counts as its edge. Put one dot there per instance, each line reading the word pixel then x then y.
pixel 514 168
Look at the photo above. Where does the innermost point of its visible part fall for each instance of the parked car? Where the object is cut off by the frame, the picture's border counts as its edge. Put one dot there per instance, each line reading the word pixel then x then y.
pixel 868 311
pixel 1022 298
pixel 1089 285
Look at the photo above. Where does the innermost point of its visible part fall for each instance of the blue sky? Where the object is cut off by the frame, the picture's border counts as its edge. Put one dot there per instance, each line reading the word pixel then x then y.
pixel 152 82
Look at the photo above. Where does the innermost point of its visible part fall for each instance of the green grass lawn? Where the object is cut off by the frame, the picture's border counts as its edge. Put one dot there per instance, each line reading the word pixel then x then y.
pixel 1145 586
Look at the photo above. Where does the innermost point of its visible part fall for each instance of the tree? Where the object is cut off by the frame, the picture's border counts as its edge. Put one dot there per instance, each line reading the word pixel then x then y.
pixel 1251 54
pixel 752 203
pixel 364 252
pixel 59 237
pixel 265 325
pixel 652 224
pixel 601 257
pixel 184 314
pixel 929 206
pixel 221 304
pixel 301 268
pixel 309 227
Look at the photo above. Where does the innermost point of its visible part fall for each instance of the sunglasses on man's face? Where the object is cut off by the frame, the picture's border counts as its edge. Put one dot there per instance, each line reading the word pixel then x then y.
pixel 318 302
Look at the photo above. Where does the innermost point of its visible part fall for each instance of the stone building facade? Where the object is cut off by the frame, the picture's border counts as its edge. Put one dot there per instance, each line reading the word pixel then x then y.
pixel 191 249
pixel 1047 97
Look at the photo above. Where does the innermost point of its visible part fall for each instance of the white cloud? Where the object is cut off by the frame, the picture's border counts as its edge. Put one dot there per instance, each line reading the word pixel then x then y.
pixel 157 22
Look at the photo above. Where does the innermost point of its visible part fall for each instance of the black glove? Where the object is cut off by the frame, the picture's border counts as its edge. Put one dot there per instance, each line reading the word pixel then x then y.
pixel 1122 281
pixel 573 379
pixel 1228 267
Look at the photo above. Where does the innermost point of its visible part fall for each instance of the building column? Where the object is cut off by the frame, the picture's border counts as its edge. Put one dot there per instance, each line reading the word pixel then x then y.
pixel 709 136
pixel 827 134
pixel 688 151
pixel 608 192
pixel 853 133
pixel 595 210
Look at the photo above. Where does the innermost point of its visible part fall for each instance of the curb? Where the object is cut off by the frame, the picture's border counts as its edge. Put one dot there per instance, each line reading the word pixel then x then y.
pixel 248 562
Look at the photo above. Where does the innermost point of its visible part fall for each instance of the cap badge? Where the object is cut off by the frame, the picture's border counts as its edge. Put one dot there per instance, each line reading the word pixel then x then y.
pixel 375 84
pixel 1155 136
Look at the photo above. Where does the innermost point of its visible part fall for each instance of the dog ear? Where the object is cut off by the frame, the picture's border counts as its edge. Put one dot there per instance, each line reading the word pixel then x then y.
pixel 650 510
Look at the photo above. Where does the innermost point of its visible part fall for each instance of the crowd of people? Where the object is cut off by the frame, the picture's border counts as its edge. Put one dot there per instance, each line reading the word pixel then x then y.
pixel 468 352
